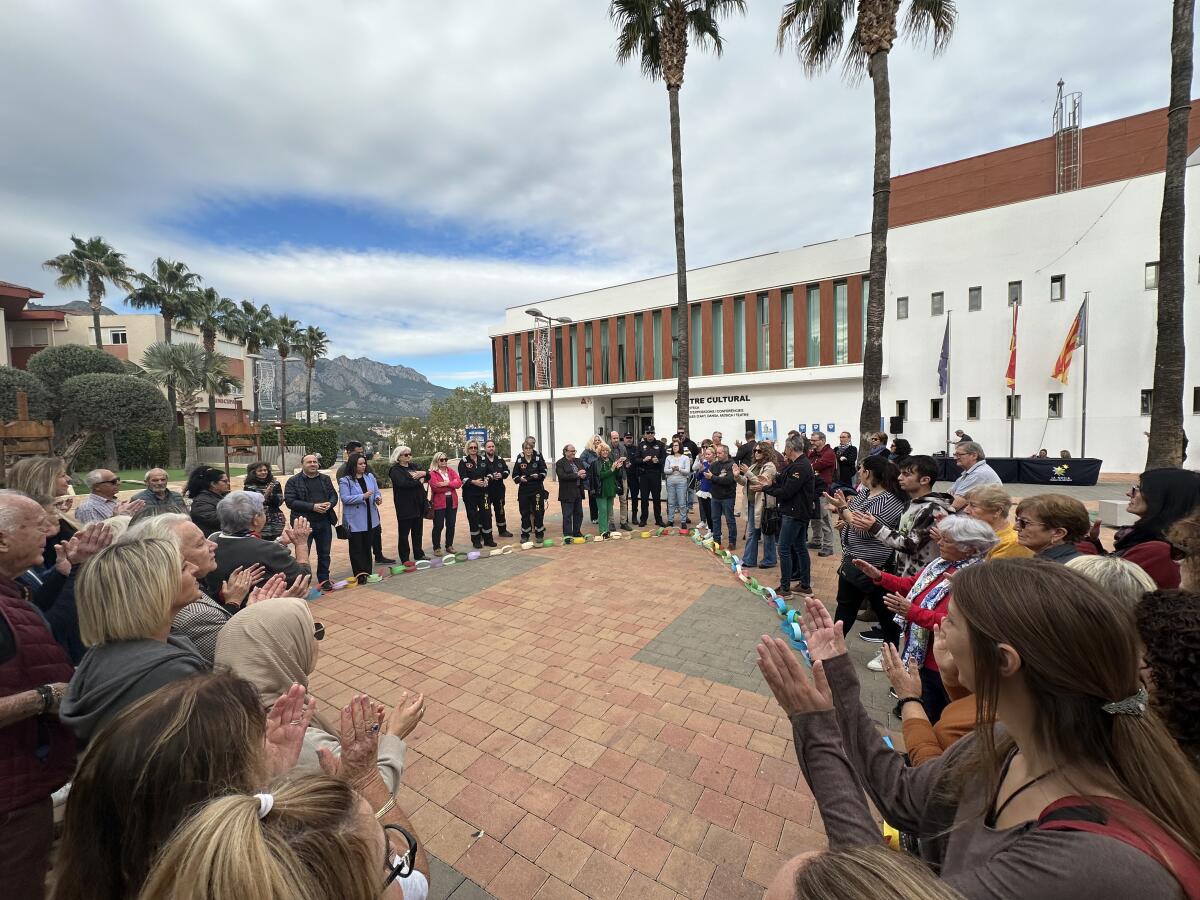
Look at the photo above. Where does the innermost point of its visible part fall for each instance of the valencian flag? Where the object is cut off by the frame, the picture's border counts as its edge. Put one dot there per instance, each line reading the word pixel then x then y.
pixel 1010 377
pixel 944 362
pixel 1075 339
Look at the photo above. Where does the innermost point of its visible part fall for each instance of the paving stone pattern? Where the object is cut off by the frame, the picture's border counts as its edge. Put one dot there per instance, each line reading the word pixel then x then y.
pixel 453 583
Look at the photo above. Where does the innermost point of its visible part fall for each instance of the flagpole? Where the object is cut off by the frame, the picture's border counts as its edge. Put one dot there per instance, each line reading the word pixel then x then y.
pixel 946 411
pixel 1012 393
pixel 1087 340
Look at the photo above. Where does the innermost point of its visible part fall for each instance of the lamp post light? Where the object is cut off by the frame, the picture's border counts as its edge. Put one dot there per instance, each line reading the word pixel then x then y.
pixel 540 317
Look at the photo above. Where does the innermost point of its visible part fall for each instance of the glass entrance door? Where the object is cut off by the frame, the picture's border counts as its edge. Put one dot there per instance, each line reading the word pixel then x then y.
pixel 629 415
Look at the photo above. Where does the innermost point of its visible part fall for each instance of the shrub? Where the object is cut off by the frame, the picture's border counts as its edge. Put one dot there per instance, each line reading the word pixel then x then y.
pixel 13 380
pixel 314 438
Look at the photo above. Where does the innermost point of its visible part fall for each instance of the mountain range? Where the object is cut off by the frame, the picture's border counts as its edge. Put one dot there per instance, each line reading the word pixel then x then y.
pixel 363 386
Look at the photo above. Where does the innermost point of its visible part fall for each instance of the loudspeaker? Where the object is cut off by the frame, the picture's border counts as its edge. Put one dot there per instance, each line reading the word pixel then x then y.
pixel 896 425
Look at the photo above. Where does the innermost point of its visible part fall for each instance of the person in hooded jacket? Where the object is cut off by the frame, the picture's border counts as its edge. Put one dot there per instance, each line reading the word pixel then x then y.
pixel 529 472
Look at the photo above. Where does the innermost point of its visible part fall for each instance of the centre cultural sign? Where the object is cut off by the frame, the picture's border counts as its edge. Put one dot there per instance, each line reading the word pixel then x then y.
pixel 719 406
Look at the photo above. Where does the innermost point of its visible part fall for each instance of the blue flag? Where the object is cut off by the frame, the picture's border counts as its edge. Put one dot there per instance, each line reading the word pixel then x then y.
pixel 944 363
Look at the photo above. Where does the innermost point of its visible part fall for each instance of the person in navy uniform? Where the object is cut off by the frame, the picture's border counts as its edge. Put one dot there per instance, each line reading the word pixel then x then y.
pixel 529 472
pixel 474 474
pixel 651 455
pixel 497 468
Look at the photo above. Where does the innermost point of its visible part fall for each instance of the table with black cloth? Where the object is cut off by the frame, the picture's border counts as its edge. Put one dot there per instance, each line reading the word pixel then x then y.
pixel 1082 472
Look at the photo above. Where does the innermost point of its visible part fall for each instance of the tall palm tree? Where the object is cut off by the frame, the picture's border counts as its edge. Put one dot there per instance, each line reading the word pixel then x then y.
pixel 168 288
pixel 93 262
pixel 210 314
pixel 255 326
pixel 287 336
pixel 313 344
pixel 1166 405
pixel 820 29
pixel 657 33
pixel 195 373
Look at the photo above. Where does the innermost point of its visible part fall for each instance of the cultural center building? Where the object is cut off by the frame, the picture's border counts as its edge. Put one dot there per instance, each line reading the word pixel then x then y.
pixel 776 341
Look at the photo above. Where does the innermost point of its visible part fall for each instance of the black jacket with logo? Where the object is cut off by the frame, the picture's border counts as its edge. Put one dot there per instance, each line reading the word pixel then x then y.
pixel 470 469
pixel 534 470
pixel 795 488
pixel 655 449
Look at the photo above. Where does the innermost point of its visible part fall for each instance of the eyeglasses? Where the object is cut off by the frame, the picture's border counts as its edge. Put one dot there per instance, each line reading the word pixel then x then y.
pixel 118 481
pixel 318 631
pixel 397 865
pixel 406 454
pixel 1133 491
pixel 1022 522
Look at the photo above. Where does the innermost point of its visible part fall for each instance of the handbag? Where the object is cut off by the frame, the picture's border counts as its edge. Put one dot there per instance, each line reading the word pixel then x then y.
pixel 771 520
pixel 427 509
pixel 856 577
pixel 342 532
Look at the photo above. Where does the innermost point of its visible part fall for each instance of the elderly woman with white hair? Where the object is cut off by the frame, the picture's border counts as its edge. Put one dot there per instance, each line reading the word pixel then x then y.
pixel 242 515
pixel 921 601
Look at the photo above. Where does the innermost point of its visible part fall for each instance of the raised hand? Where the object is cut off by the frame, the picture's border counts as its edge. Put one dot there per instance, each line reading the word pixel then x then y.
pixel 905 677
pixel 82 546
pixel 867 569
pixel 359 737
pixel 406 716
pixel 275 586
pixel 861 520
pixel 897 603
pixel 235 588
pixel 299 587
pixel 286 723
pixel 129 508
pixel 794 690
pixel 836 501
pixel 823 635
pixel 300 530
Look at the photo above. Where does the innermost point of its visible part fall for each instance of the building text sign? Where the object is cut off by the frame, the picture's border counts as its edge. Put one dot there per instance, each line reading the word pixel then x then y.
pixel 719 406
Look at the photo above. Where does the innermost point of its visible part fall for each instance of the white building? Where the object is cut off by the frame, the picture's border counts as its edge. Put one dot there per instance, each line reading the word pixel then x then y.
pixel 776 340
pixel 301 415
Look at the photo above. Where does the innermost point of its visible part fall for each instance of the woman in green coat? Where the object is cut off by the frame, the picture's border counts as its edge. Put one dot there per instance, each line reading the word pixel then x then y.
pixel 604 483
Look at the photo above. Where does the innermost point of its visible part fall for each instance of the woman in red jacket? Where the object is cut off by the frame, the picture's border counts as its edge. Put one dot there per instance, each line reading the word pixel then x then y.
pixel 444 483
pixel 921 601
pixel 1161 498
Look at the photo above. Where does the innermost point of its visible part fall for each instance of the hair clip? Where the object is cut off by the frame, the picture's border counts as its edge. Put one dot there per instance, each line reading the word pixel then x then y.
pixel 266 802
pixel 1130 706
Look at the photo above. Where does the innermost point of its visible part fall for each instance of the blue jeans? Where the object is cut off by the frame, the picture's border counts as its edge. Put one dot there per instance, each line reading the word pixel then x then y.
pixel 794 562
pixel 723 508
pixel 753 536
pixel 676 500
pixel 322 535
pixel 572 515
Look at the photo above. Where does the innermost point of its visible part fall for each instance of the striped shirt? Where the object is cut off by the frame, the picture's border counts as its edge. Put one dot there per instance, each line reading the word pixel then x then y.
pixel 886 508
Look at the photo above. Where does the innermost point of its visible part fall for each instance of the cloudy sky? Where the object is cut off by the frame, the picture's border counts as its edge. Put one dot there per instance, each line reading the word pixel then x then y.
pixel 399 172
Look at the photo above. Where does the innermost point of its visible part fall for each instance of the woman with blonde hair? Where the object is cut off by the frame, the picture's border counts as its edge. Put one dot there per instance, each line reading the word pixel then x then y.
pixel 991 503
pixel 127 596
pixel 443 484
pixel 588 457
pixel 1123 579
pixel 46 476
pixel 473 470
pixel 603 483
pixel 859 873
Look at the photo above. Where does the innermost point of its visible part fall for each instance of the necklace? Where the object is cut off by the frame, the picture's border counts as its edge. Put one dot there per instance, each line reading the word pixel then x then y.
pixel 994 816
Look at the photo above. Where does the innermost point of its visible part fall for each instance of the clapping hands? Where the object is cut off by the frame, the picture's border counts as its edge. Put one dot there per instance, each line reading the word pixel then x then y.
pixel 867 569
pixel 129 508
pixel 235 588
pixel 286 724
pixel 358 735
pixel 82 546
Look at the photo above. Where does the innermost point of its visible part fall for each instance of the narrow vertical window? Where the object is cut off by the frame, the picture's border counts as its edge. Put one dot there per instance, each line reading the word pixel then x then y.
pixel 656 340
pixel 588 336
pixel 621 376
pixel 639 343
pixel 574 354
pixel 520 363
pixel 696 340
pixel 558 356
pixel 789 329
pixel 764 331
pixel 603 326
pixel 739 334
pixel 937 303
pixel 813 301
pixel 866 293
pixel 508 385
pixel 974 299
pixel 841 323
pixel 718 336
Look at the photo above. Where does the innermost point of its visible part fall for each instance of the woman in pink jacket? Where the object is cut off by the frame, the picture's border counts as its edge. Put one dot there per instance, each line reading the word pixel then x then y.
pixel 444 483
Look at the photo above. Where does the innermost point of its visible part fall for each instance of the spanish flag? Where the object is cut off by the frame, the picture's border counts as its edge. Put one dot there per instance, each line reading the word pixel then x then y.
pixel 1010 377
pixel 1075 339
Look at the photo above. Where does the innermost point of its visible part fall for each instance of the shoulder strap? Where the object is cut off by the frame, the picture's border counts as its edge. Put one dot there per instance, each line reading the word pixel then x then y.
pixel 1129 825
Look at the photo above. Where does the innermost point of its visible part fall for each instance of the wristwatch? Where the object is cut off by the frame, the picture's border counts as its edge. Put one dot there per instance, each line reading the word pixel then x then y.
pixel 48 697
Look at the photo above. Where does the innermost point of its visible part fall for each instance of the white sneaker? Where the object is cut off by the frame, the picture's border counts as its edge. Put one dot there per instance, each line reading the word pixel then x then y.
pixel 876 664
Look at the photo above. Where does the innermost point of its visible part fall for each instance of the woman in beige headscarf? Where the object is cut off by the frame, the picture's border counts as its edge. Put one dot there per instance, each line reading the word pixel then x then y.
pixel 274 644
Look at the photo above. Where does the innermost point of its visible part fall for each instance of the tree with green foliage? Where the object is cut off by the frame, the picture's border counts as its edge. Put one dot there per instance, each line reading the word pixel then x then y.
pixel 195 373
pixel 13 380
pixel 255 326
pixel 468 407
pixel 210 314
pixel 820 29
pixel 656 33
pixel 286 336
pixel 168 289
pixel 54 366
pixel 313 345
pixel 102 402
pixel 91 263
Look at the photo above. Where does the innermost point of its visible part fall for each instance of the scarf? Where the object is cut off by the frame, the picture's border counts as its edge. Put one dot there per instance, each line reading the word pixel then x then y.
pixel 917 641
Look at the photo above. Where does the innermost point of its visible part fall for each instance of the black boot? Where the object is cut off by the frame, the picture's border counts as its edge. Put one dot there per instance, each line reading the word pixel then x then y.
pixel 476 542
pixel 504 532
pixel 539 535
pixel 524 536
pixel 487 539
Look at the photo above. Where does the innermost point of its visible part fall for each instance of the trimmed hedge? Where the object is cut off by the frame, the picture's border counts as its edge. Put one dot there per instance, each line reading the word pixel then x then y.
pixel 136 448
pixel 314 439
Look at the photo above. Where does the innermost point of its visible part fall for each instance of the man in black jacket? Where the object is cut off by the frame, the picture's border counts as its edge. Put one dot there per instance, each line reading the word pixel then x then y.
pixel 795 489
pixel 497 469
pixel 651 455
pixel 311 494
pixel 724 496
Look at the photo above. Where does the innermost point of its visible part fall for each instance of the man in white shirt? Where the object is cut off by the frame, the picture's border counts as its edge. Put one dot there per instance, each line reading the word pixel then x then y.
pixel 975 471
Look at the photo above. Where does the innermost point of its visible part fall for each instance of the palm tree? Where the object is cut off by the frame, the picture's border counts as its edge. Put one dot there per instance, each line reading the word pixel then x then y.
pixel 194 373
pixel 169 289
pixel 255 327
pixel 1166 405
pixel 93 262
pixel 657 32
pixel 287 336
pixel 210 313
pixel 313 344
pixel 819 29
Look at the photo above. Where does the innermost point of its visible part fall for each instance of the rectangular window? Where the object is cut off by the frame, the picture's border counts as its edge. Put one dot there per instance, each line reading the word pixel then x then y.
pixel 866 296
pixel 621 375
pixel 588 337
pixel 118 336
pixel 972 407
pixel 789 329
pixel 937 304
pixel 1012 406
pixel 841 322
pixel 901 307
pixel 1152 276
pixel 1147 401
pixel 656 339
pixel 718 336
pixel 1014 293
pixel 39 336
pixel 902 409
pixel 558 356
pixel 507 383
pixel 696 340
pixel 603 326
pixel 519 350
pixel 1058 287
pixel 739 334
pixel 639 343
pixel 813 302
pixel 974 299
pixel 1054 406
pixel 574 354
pixel 935 409
pixel 1196 401
pixel 764 331
pixel 531 360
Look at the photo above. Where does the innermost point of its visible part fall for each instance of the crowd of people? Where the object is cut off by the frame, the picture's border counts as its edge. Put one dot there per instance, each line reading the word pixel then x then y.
pixel 155 660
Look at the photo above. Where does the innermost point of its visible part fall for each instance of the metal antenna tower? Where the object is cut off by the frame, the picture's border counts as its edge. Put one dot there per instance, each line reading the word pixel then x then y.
pixel 1068 141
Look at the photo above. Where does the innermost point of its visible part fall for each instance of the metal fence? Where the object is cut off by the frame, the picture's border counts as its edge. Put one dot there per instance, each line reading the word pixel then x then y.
pixel 215 456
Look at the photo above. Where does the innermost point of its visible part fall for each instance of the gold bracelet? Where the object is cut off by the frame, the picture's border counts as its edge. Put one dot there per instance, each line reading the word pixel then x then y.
pixel 386 808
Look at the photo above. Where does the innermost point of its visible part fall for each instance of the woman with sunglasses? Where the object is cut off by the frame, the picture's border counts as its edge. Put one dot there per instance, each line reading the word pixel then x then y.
pixel 443 484
pixel 274 644
pixel 762 463
pixel 1050 525
pixel 408 495
pixel 474 472
pixel 1161 498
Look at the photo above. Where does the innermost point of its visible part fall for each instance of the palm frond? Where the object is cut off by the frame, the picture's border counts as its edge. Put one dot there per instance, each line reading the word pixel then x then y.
pixel 638 34
pixel 817 29
pixel 925 19
pixel 702 22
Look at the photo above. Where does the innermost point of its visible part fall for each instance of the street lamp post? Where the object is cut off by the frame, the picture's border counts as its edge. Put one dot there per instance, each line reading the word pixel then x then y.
pixel 539 316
